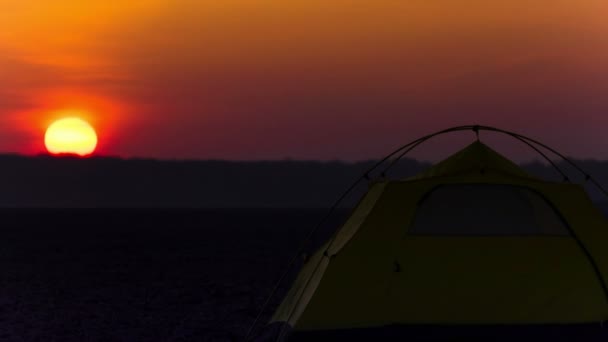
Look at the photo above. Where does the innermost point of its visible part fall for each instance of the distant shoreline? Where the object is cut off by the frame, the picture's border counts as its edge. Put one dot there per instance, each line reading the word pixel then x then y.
pixel 108 182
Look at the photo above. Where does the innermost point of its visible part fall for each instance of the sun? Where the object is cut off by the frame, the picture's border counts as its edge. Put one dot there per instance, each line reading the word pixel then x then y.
pixel 70 136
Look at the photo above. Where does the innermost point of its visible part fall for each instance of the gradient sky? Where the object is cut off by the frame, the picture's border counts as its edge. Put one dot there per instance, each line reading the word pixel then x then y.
pixel 303 79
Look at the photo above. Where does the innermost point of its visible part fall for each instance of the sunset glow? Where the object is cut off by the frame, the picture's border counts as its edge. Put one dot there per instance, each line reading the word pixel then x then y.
pixel 71 136
pixel 303 79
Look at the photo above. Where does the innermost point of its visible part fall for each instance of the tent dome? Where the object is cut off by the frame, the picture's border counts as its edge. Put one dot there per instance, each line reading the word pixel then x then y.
pixel 472 247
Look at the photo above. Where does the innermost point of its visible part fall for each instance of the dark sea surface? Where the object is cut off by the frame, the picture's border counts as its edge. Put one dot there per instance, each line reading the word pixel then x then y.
pixel 144 274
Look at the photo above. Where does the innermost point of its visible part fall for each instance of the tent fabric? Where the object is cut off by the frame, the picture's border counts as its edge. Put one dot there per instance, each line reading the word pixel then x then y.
pixel 380 271
pixel 477 157
pixel 305 285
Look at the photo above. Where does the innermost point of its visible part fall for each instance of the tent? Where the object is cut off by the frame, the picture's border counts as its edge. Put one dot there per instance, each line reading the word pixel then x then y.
pixel 473 247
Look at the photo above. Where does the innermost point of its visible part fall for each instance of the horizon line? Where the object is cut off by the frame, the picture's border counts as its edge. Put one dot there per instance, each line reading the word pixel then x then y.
pixel 68 156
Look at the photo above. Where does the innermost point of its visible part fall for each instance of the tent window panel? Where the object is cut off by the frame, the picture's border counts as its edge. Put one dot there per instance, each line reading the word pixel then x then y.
pixel 486 209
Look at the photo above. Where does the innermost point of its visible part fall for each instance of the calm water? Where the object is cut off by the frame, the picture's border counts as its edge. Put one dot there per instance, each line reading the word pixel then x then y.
pixel 142 275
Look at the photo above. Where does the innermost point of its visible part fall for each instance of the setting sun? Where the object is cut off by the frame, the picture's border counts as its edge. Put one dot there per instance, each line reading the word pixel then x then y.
pixel 70 136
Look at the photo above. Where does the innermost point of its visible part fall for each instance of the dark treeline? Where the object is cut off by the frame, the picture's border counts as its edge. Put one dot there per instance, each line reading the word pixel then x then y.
pixel 113 182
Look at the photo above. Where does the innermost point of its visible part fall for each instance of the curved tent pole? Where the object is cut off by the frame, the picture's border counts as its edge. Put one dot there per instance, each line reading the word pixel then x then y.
pixel 526 140
pixel 476 129
pixel 551 162
pixel 401 152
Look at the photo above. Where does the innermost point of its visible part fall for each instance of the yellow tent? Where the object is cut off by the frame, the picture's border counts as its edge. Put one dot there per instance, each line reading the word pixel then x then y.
pixel 472 247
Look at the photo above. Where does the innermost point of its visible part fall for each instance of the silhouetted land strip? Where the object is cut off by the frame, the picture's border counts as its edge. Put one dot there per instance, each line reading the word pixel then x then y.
pixel 113 182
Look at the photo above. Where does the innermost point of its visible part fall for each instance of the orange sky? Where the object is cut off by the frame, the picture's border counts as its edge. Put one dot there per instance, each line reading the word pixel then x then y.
pixel 348 79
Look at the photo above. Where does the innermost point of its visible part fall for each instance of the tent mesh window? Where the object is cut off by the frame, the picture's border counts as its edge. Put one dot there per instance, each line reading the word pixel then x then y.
pixel 486 209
